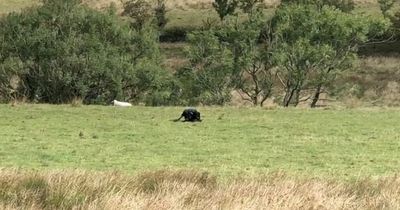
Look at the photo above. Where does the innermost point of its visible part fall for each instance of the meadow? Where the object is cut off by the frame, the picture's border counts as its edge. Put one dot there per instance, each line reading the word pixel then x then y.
pixel 229 142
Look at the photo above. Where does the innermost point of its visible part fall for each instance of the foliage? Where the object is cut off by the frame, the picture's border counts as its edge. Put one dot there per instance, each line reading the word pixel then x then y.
pixel 252 73
pixel 343 5
pixel 160 13
pixel 62 50
pixel 230 56
pixel 142 13
pixel 249 6
pixel 391 11
pixel 386 5
pixel 210 68
pixel 316 45
pixel 9 81
pixel 139 11
pixel 225 7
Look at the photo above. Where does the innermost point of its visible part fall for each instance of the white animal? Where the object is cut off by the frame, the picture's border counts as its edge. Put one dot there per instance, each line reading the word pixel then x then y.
pixel 121 104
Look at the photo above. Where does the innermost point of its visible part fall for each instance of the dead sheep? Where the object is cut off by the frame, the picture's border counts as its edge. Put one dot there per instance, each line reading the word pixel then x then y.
pixel 121 104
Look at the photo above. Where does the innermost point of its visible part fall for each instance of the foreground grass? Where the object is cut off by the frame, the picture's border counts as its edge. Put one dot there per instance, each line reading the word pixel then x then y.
pixel 230 141
pixel 189 190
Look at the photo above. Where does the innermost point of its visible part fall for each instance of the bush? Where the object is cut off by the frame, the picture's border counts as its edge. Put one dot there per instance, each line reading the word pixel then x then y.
pixel 63 50
pixel 160 12
pixel 9 80
pixel 139 11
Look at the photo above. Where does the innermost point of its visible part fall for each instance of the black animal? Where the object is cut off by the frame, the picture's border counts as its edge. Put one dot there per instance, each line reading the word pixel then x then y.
pixel 190 115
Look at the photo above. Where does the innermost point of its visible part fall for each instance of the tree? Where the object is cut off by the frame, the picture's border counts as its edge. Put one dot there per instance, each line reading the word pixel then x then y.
pixel 298 62
pixel 210 70
pixel 392 12
pixel 230 57
pixel 315 45
pixel 252 66
pixel 139 11
pixel 160 12
pixel 225 7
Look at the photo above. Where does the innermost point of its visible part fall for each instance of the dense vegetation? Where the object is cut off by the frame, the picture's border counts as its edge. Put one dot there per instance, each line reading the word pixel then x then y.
pixel 63 51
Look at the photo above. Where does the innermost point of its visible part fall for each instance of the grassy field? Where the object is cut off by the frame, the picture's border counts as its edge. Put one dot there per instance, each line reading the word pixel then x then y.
pixel 102 157
pixel 344 144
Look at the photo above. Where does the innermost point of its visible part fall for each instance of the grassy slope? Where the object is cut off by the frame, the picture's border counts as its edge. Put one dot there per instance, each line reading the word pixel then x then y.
pixel 346 143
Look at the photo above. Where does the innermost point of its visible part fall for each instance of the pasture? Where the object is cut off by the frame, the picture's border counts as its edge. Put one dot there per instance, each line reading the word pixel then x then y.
pixel 344 144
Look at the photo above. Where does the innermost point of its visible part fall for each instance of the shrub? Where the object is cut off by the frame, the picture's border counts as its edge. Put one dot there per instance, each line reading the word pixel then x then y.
pixel 63 50
pixel 139 11
pixel 160 13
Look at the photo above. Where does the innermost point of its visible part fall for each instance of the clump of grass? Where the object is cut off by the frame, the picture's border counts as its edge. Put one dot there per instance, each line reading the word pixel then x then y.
pixel 187 189
pixel 81 134
pixel 76 102
pixel 17 102
pixel 153 181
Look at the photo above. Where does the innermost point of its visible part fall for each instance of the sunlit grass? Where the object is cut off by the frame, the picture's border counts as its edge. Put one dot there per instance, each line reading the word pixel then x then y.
pixel 230 141
pixel 187 189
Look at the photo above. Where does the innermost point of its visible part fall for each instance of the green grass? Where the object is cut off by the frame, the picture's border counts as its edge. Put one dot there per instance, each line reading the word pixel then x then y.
pixel 190 18
pixel 195 18
pixel 230 141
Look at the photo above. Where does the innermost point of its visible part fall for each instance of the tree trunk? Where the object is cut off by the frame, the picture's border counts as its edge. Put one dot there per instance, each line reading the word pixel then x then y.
pixel 316 96
pixel 255 100
pixel 297 97
pixel 265 97
pixel 288 97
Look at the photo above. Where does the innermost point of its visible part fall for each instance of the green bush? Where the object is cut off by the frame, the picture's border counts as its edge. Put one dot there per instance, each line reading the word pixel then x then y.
pixel 63 50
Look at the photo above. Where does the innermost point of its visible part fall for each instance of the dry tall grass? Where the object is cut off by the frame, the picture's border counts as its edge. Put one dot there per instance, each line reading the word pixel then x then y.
pixel 189 190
